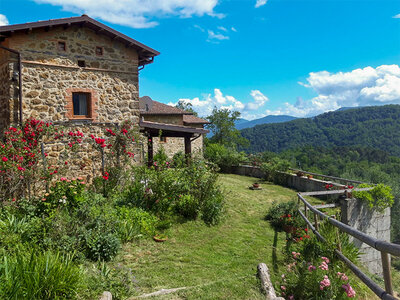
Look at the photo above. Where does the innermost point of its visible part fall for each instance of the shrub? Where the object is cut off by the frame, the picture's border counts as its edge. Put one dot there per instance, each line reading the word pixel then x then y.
pixel 65 193
pixel 161 157
pixel 284 214
pixel 380 197
pixel 135 222
pixel 187 206
pixel 101 246
pixel 224 157
pixel 273 167
pixel 35 275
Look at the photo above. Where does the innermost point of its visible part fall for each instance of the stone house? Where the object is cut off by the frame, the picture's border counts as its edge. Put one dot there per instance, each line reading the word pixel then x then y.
pixel 158 113
pixel 76 72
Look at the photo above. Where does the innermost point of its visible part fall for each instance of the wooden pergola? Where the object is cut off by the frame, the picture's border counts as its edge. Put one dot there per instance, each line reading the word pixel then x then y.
pixel 153 129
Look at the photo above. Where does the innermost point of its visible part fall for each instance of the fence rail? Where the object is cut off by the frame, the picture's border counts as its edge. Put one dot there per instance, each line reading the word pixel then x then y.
pixel 384 247
pixel 329 177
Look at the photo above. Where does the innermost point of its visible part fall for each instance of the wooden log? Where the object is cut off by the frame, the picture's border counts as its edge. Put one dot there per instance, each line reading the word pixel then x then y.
pixel 106 296
pixel 162 292
pixel 266 284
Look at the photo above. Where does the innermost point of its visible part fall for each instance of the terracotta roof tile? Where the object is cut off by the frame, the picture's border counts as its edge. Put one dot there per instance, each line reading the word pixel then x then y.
pixel 191 119
pixel 151 107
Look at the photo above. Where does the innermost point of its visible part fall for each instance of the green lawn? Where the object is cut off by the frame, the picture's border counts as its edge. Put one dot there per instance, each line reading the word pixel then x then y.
pixel 216 262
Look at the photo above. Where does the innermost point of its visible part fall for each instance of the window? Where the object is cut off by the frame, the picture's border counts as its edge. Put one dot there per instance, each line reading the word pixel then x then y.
pixel 163 139
pixel 99 50
pixel 80 102
pixel 62 46
pixel 81 63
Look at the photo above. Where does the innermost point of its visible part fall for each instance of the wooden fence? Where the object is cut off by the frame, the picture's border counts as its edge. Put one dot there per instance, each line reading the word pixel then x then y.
pixel 384 247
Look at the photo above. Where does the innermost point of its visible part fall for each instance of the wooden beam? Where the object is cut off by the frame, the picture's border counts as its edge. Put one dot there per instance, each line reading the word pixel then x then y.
pixel 150 151
pixel 188 149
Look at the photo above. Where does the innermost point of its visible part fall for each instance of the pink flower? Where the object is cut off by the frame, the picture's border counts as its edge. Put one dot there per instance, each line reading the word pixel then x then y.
pixel 324 283
pixel 295 254
pixel 343 276
pixel 5 159
pixel 311 268
pixel 324 266
pixel 291 297
pixel 325 259
pixel 63 179
pixel 283 288
pixel 349 290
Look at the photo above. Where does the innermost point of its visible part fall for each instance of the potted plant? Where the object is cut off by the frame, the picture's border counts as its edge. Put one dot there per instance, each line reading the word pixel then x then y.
pixel 159 238
pixel 256 185
pixel 300 173
pixel 309 176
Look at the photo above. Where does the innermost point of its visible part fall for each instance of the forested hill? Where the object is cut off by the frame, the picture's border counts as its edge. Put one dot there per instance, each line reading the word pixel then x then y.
pixel 375 126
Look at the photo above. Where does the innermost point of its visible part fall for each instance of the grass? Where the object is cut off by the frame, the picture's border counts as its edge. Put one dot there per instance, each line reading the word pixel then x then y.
pixel 218 262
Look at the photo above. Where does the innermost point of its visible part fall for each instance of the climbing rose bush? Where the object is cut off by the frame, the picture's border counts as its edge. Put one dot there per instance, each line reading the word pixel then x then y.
pixel 20 152
pixel 318 279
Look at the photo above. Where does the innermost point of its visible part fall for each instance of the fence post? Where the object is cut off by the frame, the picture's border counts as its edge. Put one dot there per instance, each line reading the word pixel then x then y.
pixel 316 221
pixel 44 165
pixel 387 276
pixel 306 214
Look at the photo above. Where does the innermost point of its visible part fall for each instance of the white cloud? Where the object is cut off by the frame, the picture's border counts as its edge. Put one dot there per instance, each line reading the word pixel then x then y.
pixel 360 87
pixel 233 29
pixel 205 105
pixel 212 36
pixel 259 100
pixel 222 28
pixel 3 20
pixel 260 3
pixel 396 16
pixel 137 13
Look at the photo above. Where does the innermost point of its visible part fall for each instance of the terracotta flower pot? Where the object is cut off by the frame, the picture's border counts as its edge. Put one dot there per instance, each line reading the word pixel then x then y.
pixel 256 185
pixel 159 239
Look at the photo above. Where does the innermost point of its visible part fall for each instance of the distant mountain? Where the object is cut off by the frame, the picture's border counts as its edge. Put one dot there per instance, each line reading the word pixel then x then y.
pixel 241 121
pixel 376 127
pixel 264 120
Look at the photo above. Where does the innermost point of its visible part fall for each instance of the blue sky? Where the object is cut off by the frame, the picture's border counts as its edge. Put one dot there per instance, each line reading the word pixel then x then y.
pixel 259 57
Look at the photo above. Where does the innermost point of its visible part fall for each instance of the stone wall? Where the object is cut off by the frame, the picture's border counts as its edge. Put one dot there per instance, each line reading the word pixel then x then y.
pixel 358 215
pixel 50 76
pixel 175 145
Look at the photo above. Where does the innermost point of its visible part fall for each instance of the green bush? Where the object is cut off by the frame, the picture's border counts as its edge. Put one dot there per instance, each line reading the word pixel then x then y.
pixel 101 246
pixel 222 156
pixel 380 197
pixel 135 222
pixel 273 167
pixel 186 192
pixel 187 206
pixel 35 275
pixel 284 214
pixel 65 193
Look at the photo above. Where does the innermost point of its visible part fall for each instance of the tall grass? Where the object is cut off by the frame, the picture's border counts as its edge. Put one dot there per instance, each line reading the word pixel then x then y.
pixel 36 275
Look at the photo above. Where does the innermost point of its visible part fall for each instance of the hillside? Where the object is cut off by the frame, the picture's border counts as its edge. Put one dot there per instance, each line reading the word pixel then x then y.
pixel 375 127
pixel 264 120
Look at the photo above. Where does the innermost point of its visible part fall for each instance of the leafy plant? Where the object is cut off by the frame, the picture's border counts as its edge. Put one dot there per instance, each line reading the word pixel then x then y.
pixel 284 214
pixel 380 197
pixel 35 275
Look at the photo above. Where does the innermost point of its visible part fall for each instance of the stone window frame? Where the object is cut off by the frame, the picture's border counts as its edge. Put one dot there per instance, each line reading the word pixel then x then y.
pixel 102 50
pixel 58 46
pixel 92 105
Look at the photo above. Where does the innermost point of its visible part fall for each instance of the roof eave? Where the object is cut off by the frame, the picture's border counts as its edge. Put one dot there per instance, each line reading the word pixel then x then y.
pixel 145 53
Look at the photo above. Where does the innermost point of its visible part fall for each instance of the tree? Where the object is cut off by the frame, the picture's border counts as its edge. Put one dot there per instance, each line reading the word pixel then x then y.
pixel 182 104
pixel 222 125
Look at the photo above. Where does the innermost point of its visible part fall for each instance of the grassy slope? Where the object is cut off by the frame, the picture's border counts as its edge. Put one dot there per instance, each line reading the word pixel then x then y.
pixel 218 262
